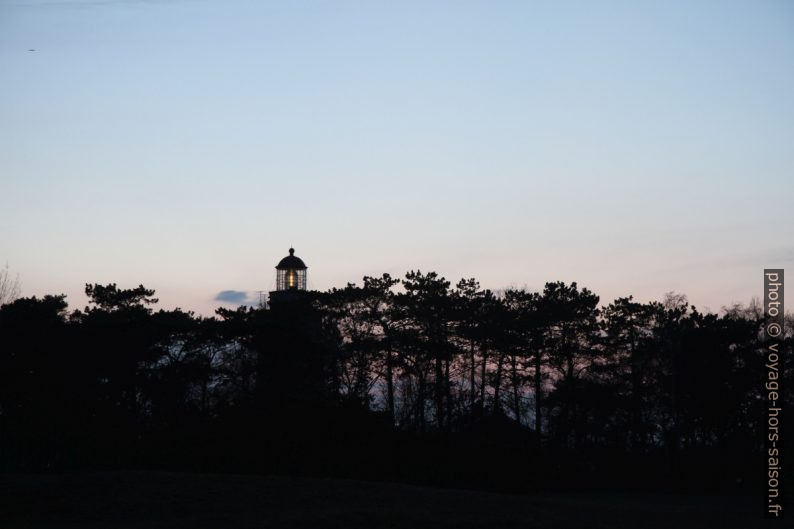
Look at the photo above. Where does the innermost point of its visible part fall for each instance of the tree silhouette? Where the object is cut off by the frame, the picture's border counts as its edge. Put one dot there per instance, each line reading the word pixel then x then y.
pixel 9 287
pixel 395 379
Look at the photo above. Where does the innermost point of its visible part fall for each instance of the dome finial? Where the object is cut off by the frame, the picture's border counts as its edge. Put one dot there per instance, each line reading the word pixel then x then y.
pixel 292 251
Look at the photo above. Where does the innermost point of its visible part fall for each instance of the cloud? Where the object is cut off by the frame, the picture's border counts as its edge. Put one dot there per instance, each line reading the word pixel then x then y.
pixel 235 297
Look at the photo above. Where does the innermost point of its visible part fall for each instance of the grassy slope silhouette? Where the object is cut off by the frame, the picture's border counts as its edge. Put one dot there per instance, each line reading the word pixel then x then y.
pixel 177 500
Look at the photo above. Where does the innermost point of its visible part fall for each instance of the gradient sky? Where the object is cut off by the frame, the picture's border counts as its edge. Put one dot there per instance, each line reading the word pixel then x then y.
pixel 634 147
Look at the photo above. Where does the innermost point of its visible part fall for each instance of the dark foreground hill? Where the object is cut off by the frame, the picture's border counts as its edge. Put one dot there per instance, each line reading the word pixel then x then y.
pixel 174 500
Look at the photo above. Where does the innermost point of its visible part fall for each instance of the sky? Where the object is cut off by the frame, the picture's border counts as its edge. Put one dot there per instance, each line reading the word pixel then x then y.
pixel 636 148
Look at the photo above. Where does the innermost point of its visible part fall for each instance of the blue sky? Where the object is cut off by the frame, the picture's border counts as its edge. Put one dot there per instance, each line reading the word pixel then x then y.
pixel 634 147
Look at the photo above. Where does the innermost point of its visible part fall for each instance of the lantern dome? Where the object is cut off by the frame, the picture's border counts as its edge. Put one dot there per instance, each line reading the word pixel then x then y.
pixel 290 261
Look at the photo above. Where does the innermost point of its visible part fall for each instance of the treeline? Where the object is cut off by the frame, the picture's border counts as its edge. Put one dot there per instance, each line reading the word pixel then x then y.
pixel 410 379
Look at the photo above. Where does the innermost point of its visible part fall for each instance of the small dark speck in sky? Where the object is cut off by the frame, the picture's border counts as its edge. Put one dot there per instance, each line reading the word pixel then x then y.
pixel 31 49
